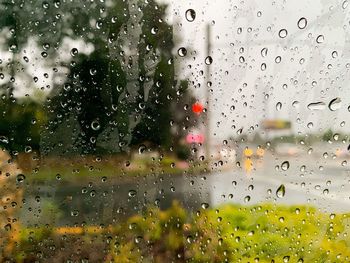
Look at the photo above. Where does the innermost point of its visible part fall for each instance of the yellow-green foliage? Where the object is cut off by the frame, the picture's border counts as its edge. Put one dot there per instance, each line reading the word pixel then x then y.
pixel 234 233
pixel 269 232
pixel 230 233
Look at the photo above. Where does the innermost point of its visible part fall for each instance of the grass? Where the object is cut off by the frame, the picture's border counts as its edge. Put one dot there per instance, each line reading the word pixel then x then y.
pixel 74 170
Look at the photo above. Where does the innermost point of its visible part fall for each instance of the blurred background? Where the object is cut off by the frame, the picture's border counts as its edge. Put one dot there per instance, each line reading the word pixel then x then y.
pixel 145 131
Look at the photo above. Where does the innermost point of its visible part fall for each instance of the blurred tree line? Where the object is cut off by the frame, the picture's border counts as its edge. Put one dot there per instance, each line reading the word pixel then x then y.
pixel 121 94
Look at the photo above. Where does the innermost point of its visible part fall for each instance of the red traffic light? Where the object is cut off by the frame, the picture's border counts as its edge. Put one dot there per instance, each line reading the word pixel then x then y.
pixel 197 108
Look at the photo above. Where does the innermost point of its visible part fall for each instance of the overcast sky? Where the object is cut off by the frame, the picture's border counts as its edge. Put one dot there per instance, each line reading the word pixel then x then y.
pixel 314 63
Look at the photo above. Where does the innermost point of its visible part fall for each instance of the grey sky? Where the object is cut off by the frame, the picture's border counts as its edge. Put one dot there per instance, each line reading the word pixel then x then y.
pixel 308 68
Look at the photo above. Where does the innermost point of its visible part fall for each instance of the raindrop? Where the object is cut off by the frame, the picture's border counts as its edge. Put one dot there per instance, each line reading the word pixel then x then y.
pixel 205 205
pixel 278 106
pixel 281 191
pixel 4 139
pixel 247 199
pixel 132 193
pixel 345 4
pixel 241 59
pixel 278 59
pixel 316 106
pixel 334 54
pixel 8 227
pixel 28 149
pixel 190 15
pixel 154 30
pixel 320 39
pixel 20 178
pixel 208 60
pixel 285 166
pixel 283 33
pixel 142 149
pixel 46 46
pixel 302 23
pixel 98 24
pixel 189 239
pixel 93 72
pixel 74 213
pixel 45 5
pixel 138 239
pixel 310 125
pixel 334 104
pixel 182 51
pixel 286 259
pixel 95 125
pixel 74 52
pixel 264 52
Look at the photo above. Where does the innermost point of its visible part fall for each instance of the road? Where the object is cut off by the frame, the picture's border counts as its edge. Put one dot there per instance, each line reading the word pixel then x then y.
pixel 313 180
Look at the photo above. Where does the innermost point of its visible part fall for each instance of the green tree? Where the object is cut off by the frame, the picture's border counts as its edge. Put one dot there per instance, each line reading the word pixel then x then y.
pixel 122 93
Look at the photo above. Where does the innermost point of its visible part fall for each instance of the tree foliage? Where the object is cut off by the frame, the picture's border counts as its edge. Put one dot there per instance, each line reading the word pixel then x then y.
pixel 122 93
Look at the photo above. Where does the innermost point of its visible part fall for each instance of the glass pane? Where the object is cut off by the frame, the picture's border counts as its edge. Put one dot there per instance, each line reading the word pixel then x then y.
pixel 180 131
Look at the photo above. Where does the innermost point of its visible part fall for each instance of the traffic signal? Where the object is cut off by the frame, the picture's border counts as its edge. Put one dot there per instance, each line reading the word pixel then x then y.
pixel 197 108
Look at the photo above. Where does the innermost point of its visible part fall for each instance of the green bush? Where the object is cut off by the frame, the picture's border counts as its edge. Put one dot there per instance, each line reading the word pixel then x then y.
pixel 230 233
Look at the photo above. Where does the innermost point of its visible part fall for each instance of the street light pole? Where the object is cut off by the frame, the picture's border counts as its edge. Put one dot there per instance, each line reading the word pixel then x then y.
pixel 207 95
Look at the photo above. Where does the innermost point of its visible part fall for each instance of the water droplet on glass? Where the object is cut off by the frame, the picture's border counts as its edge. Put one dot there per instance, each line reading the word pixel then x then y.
pixel 310 125
pixel 182 51
pixel 247 199
pixel 142 149
pixel 345 4
pixel 4 139
pixel 302 23
pixel 20 178
pixel 278 106
pixel 264 52
pixel 334 54
pixel 316 106
pixel 98 24
pixel 93 72
pixel 278 59
pixel 189 239
pixel 95 125
pixel 334 104
pixel 154 30
pixel 74 213
pixel 286 259
pixel 320 39
pixel 285 166
pixel 205 205
pixel 8 227
pixel 74 52
pixel 132 193
pixel 281 191
pixel 208 60
pixel 283 33
pixel 190 15
pixel 138 239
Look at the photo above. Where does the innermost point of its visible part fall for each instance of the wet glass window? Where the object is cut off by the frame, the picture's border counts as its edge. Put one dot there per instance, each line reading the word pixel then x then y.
pixel 174 131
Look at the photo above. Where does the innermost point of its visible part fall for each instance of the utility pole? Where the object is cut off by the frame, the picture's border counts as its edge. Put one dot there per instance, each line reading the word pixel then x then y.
pixel 207 95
